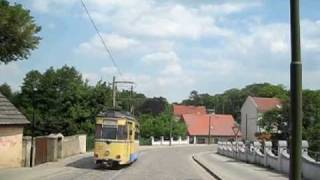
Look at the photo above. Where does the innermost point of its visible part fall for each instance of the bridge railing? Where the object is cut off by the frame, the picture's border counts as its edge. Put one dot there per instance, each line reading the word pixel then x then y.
pixel 277 159
pixel 162 141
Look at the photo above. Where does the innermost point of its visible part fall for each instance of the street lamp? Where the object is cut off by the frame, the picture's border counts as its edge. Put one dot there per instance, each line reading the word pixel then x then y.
pixel 34 89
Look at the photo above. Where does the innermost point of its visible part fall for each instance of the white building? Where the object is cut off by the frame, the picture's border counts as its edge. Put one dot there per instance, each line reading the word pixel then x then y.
pixel 251 112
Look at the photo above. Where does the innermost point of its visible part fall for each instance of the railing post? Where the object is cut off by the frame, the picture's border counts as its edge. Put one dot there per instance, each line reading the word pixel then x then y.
pixel 282 147
pixel 257 148
pixel 267 148
pixel 304 148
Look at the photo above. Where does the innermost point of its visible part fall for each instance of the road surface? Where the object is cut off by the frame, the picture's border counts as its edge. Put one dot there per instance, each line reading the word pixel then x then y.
pixel 154 163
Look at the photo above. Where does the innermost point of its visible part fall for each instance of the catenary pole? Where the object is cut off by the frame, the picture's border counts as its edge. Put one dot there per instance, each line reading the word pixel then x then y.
pixel 296 92
pixel 114 92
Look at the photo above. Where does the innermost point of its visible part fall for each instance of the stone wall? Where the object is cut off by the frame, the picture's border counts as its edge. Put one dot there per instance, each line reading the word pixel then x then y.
pixel 253 153
pixel 72 145
pixel 57 147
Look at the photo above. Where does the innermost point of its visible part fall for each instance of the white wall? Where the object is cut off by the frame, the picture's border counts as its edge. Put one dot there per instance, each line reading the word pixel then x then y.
pixel 249 109
pixel 310 168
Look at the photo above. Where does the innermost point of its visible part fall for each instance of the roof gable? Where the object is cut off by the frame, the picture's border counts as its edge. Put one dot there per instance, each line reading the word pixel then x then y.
pixel 179 110
pixel 9 114
pixel 266 104
pixel 221 124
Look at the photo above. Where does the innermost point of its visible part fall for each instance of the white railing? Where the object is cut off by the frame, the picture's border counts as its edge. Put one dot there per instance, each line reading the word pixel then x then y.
pixel 162 141
pixel 253 153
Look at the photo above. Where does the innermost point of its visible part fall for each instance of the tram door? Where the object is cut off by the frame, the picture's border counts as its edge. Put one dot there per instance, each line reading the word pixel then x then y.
pixel 130 139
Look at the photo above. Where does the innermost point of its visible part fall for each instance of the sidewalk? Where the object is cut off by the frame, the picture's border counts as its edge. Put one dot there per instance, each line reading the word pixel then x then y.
pixel 229 169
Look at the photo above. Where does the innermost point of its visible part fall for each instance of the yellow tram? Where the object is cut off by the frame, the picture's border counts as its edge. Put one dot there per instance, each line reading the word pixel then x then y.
pixel 116 138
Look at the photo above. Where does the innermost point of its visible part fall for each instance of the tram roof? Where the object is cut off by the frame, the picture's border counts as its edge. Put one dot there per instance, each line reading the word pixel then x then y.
pixel 116 114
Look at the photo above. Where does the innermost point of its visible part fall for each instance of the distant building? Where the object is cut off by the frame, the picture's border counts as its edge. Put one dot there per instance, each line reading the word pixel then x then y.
pixel 198 127
pixel 11 132
pixel 179 110
pixel 252 111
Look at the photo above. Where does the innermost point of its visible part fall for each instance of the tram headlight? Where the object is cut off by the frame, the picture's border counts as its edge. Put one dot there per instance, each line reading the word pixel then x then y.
pixel 107 153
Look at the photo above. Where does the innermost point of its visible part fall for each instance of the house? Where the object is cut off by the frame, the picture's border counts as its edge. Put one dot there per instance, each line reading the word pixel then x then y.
pixel 11 132
pixel 220 127
pixel 252 111
pixel 179 110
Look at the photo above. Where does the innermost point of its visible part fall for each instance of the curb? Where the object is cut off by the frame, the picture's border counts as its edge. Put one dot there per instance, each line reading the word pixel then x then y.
pixel 206 168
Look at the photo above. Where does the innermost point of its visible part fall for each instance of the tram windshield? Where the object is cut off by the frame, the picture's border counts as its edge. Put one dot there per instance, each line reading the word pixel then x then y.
pixel 111 132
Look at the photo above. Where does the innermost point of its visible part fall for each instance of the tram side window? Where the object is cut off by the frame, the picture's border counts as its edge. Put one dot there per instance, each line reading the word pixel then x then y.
pixel 122 133
pixel 136 135
pixel 109 132
pixel 98 130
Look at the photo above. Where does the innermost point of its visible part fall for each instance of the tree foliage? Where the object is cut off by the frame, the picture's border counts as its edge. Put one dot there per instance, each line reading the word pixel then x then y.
pixel 230 101
pixel 18 32
pixel 160 126
pixel 5 89
pixel 276 121
pixel 63 102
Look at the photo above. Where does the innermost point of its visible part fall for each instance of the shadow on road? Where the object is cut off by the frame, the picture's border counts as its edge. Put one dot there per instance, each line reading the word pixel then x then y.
pixel 88 163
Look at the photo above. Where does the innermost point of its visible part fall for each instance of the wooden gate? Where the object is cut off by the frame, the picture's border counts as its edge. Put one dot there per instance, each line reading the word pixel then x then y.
pixel 41 150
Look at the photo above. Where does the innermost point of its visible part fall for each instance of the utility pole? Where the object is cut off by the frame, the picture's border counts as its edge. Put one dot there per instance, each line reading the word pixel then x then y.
pixel 131 101
pixel 296 92
pixel 209 134
pixel 170 134
pixel 34 89
pixel 114 90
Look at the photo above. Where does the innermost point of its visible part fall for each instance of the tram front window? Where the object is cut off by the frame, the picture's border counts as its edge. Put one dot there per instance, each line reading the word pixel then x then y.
pixel 111 132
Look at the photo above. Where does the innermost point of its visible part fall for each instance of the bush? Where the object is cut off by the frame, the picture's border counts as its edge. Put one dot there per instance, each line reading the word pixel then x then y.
pixel 90 142
pixel 145 141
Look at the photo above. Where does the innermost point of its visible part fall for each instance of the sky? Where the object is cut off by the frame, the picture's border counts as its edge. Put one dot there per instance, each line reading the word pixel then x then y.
pixel 169 48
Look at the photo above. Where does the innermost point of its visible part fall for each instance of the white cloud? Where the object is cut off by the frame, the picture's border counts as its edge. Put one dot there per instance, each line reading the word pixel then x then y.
pixel 108 70
pixel 50 6
pixel 154 19
pixel 10 74
pixel 114 42
pixel 228 7
pixel 168 61
pixel 160 58
pixel 91 77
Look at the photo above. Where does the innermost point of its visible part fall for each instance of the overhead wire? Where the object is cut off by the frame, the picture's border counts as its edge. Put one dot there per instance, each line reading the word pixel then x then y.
pixel 108 50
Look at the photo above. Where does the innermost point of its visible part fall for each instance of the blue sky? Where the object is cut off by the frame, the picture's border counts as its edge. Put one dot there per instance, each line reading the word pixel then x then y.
pixel 172 47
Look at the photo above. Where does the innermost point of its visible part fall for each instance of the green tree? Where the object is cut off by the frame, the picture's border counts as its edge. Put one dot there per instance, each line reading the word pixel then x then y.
pixel 153 106
pixel 160 126
pixel 274 119
pixel 6 90
pixel 18 32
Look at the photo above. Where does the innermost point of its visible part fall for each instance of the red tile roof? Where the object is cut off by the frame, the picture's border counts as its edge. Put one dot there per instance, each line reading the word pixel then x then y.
pixel 266 104
pixel 198 124
pixel 179 110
